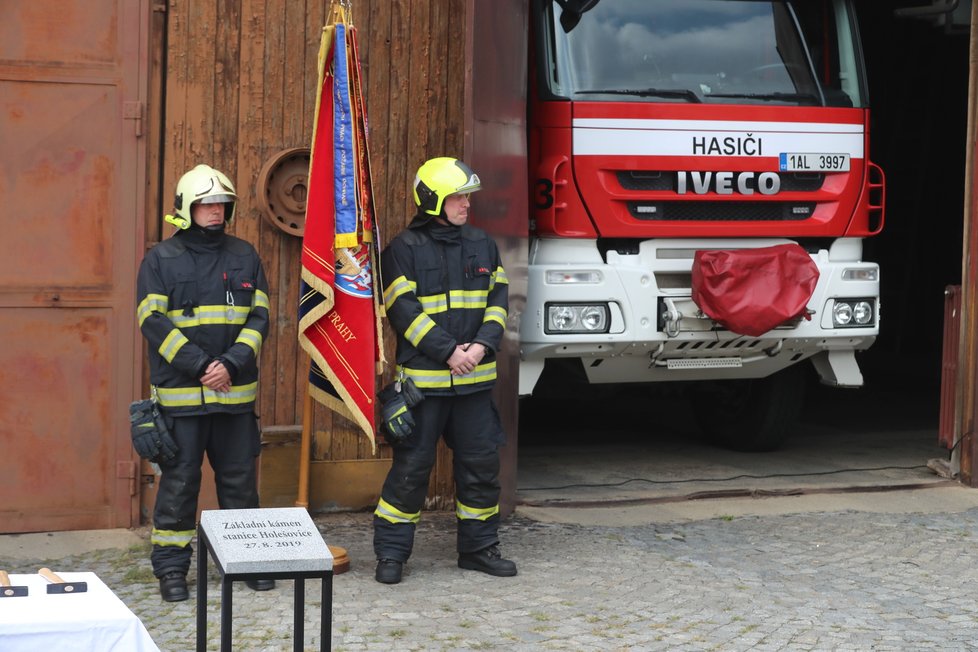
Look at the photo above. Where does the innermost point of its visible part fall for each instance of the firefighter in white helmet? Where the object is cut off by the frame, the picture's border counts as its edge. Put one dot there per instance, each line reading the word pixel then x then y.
pixel 202 305
pixel 446 297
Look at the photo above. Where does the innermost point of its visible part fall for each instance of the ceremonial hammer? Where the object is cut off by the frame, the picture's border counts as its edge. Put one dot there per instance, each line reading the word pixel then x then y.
pixel 58 585
pixel 8 591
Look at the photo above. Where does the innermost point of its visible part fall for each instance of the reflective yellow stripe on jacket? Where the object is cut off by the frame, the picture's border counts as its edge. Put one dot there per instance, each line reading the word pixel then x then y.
pixel 474 299
pixel 208 315
pixel 463 299
pixel 152 303
pixel 397 287
pixel 434 303
pixel 172 344
pixel 442 378
pixel 252 338
pixel 496 314
pixel 499 276
pixel 193 396
pixel 418 329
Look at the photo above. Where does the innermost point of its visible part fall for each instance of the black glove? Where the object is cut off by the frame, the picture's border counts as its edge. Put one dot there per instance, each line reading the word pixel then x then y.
pixel 398 422
pixel 412 395
pixel 150 437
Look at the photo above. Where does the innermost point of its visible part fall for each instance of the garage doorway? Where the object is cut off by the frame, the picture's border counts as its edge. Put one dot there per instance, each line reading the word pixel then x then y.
pixel 620 443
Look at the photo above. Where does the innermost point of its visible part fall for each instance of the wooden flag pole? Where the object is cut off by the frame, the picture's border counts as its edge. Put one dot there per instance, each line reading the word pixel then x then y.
pixel 341 561
pixel 305 450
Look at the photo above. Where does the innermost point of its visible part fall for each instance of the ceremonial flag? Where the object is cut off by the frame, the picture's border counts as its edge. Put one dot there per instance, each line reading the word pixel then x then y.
pixel 339 309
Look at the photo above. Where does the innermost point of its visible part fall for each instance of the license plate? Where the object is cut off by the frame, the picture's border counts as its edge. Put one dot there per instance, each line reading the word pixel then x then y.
pixel 791 162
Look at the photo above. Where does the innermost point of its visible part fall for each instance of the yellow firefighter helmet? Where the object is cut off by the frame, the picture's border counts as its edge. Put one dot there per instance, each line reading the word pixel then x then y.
pixel 440 177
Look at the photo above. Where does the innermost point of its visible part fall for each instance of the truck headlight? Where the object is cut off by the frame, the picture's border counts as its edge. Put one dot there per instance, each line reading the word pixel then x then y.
pixel 862 313
pixel 853 313
pixel 841 313
pixel 577 318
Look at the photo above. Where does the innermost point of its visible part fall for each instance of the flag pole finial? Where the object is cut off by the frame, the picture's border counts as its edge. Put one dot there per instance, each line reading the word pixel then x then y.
pixel 340 11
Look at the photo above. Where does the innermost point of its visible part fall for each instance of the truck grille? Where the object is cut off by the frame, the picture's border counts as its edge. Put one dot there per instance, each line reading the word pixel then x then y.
pixel 721 211
pixel 664 180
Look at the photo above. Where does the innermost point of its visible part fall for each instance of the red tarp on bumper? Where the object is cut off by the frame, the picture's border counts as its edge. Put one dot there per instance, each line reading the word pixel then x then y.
pixel 751 291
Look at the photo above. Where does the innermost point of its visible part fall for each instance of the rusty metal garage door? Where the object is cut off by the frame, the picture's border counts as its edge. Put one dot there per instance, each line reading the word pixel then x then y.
pixel 72 169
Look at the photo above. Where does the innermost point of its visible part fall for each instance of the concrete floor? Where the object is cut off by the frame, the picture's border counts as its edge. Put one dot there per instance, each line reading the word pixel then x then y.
pixel 572 453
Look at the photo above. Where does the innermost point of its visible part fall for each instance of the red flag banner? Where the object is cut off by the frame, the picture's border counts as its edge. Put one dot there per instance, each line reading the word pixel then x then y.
pixel 339 312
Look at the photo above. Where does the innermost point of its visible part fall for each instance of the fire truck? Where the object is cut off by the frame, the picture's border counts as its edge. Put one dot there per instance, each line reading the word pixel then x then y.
pixel 662 131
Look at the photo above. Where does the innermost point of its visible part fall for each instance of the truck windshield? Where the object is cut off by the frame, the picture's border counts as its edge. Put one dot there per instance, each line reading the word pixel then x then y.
pixel 709 51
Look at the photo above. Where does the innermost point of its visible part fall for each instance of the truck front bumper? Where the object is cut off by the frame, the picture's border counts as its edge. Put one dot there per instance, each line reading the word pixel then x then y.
pixel 654 332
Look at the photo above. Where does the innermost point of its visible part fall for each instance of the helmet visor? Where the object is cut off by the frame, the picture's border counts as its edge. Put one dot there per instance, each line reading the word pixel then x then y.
pixel 217 199
pixel 471 185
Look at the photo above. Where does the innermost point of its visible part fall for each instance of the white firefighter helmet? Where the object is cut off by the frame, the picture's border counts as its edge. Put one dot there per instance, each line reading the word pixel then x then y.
pixel 206 185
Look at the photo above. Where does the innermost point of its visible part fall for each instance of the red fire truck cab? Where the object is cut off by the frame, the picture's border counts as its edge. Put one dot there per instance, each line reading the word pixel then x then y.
pixel 663 130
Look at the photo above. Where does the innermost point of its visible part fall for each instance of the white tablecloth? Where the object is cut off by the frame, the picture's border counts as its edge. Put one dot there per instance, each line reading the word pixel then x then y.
pixel 94 621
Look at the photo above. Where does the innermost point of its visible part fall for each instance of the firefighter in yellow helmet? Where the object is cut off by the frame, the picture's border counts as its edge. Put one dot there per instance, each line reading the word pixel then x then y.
pixel 202 305
pixel 446 297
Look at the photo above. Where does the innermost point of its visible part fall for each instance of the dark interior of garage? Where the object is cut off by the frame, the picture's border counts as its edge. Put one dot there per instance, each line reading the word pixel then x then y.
pixel 918 75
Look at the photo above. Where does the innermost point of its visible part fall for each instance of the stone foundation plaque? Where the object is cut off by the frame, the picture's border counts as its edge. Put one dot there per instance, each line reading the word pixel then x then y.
pixel 273 540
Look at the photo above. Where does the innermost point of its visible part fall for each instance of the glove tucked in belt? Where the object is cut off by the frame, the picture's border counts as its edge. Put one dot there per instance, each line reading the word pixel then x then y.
pixel 395 402
pixel 150 437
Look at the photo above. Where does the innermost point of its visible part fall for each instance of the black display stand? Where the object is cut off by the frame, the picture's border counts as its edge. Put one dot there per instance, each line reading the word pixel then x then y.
pixel 227 579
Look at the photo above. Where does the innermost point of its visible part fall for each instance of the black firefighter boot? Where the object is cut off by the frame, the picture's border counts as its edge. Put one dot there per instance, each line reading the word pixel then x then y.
pixel 173 587
pixel 388 571
pixel 488 560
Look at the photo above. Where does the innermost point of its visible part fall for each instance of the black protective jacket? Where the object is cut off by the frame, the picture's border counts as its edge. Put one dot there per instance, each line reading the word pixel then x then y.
pixel 202 297
pixel 444 286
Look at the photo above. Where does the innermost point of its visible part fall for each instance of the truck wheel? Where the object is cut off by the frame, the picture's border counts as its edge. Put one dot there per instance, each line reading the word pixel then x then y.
pixel 750 415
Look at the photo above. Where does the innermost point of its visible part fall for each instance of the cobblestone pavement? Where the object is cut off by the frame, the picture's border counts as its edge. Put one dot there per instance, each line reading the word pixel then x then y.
pixel 826 581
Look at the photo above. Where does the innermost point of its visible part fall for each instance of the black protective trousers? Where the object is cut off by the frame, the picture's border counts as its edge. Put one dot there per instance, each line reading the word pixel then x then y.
pixel 232 442
pixel 471 427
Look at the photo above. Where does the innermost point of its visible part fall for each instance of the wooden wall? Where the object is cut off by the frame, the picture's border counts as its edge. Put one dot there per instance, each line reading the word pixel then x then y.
pixel 233 83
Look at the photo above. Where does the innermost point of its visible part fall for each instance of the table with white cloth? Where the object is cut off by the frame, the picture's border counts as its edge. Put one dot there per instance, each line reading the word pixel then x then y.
pixel 92 621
